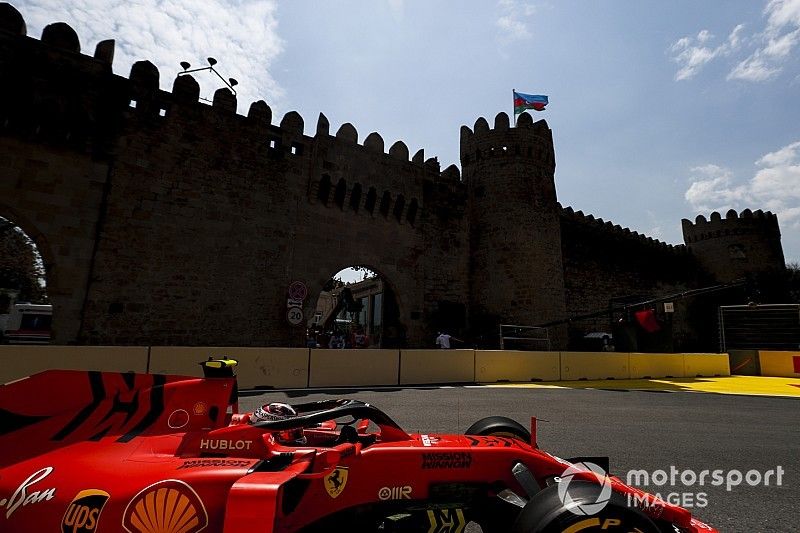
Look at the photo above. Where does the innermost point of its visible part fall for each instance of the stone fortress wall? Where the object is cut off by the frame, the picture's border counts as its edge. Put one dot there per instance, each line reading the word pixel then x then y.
pixel 164 220
pixel 737 245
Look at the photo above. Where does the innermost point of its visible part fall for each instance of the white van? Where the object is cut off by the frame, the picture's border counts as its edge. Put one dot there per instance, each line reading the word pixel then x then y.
pixel 26 324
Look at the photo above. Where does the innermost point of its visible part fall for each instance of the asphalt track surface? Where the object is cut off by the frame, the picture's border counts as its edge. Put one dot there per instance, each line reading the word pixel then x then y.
pixel 651 430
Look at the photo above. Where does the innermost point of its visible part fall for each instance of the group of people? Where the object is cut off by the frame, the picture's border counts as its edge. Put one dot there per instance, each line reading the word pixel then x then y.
pixel 356 338
pixel 353 340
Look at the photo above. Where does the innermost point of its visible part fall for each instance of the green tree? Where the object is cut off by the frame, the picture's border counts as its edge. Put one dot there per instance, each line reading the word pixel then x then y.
pixel 21 268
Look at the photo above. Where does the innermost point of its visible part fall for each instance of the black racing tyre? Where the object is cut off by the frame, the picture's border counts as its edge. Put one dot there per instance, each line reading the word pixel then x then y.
pixel 546 513
pixel 499 426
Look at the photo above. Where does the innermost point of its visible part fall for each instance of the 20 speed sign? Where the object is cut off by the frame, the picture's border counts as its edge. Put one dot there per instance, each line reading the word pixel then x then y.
pixel 295 316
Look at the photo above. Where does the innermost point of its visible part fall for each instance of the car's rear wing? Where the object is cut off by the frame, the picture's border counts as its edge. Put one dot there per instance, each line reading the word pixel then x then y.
pixel 55 408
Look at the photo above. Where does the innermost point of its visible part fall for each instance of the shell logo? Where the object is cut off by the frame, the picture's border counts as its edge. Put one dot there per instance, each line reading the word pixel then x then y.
pixel 169 506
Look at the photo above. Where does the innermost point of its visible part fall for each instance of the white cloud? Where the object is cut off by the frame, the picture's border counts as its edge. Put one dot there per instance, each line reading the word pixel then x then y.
pixel 776 43
pixel 712 186
pixel 775 186
pixel 691 53
pixel 784 156
pixel 754 68
pixel 242 36
pixel 782 45
pixel 735 37
pixel 704 36
pixel 782 13
pixel 513 21
pixel 764 58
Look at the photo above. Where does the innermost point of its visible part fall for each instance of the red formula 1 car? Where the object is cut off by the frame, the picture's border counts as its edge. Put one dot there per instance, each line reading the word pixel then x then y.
pixel 138 453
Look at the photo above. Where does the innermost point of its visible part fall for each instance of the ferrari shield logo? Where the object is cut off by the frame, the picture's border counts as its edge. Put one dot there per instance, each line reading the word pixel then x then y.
pixel 336 481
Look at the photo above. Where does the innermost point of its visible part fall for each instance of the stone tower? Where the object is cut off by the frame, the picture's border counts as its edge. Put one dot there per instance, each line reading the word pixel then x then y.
pixel 516 268
pixel 736 246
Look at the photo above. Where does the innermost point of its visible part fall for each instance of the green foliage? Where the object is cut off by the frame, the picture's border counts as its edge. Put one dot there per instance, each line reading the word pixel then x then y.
pixel 21 268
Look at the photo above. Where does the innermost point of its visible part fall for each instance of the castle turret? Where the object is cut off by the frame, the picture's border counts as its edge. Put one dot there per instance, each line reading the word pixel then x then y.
pixel 516 271
pixel 736 246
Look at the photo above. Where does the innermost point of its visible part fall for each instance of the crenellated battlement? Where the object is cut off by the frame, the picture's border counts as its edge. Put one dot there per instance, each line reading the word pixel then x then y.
pixel 528 139
pixel 746 222
pixel 86 85
pixel 736 246
pixel 615 230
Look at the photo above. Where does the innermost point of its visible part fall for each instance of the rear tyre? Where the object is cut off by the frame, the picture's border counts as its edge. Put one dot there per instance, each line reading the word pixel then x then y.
pixel 499 426
pixel 546 513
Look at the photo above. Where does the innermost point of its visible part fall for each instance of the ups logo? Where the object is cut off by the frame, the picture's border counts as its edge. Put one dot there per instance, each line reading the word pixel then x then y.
pixel 84 511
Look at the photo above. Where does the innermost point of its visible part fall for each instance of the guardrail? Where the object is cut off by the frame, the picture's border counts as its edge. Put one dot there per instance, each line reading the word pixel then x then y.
pixel 284 368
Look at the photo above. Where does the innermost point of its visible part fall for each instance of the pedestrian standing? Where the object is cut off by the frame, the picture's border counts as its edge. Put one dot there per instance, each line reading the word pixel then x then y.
pixel 443 340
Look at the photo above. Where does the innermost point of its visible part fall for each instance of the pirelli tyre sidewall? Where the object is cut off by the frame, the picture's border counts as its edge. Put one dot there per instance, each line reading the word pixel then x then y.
pixel 545 513
pixel 499 426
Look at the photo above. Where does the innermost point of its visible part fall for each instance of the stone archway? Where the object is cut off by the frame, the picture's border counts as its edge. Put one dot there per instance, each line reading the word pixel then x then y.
pixel 66 265
pixel 348 305
pixel 24 276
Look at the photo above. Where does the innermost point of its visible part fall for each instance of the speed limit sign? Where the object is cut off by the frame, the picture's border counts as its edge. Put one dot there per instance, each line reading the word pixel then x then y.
pixel 295 316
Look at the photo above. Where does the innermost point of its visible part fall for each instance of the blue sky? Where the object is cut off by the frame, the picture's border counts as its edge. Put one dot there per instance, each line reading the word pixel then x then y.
pixel 659 110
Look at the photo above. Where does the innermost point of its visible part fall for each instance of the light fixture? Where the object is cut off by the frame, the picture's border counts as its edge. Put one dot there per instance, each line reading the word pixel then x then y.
pixel 230 82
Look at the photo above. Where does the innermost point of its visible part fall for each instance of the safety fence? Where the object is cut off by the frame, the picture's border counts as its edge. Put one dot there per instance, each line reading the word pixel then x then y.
pixel 286 368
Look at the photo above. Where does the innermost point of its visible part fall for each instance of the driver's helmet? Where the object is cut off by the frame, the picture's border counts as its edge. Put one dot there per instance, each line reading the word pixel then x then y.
pixel 279 411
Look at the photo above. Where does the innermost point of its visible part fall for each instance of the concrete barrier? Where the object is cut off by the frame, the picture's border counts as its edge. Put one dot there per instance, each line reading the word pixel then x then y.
pixel 300 367
pixel 656 365
pixel 437 366
pixel 509 365
pixel 284 368
pixel 779 364
pixel 19 361
pixel 345 368
pixel 706 364
pixel 595 365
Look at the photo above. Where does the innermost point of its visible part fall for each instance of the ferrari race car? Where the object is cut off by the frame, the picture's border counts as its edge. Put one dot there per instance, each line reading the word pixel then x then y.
pixel 139 453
